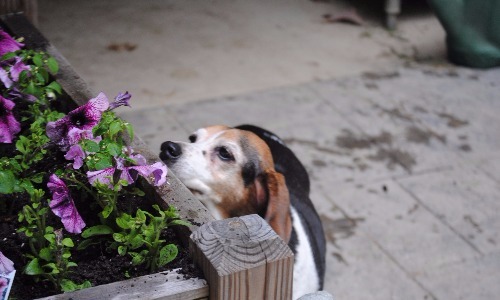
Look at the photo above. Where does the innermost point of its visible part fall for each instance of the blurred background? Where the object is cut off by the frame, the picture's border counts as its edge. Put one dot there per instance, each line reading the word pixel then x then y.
pixel 182 51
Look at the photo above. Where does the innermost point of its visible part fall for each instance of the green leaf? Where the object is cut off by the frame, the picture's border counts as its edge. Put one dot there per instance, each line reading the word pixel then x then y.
pixel 140 217
pixel 180 222
pixel 137 191
pixel 53 267
pixel 114 127
pixel 69 286
pixel 103 162
pixel 37 60
pixel 45 75
pixel 71 264
pixel 37 178
pixel 40 78
pixel 122 250
pixel 130 130
pixel 137 259
pixel 136 242
pixel 90 146
pixel 7 182
pixel 33 268
pixel 68 242
pixel 124 221
pixel 114 149
pixel 55 86
pixel 45 254
pixel 31 88
pixel 20 144
pixel 107 211
pixel 53 65
pixel 8 56
pixel 50 237
pixel 120 238
pixel 97 230
pixel 167 254
pixel 86 243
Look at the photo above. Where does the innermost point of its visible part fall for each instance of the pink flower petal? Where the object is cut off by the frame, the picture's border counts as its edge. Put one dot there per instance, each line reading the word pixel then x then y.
pixel 159 170
pixel 6 265
pixel 9 126
pixel 63 206
pixel 103 176
pixel 76 154
pixel 17 68
pixel 5 78
pixel 8 44
pixel 99 103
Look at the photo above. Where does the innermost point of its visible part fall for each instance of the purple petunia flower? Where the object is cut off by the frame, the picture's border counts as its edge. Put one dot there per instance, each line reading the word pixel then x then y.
pixel 76 154
pixel 129 174
pixel 15 94
pixel 120 100
pixel 8 44
pixel 11 69
pixel 9 126
pixel 17 68
pixel 78 123
pixel 5 78
pixel 6 265
pixel 63 206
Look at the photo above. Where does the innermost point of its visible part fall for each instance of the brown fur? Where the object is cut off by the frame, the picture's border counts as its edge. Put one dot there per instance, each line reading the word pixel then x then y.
pixel 267 195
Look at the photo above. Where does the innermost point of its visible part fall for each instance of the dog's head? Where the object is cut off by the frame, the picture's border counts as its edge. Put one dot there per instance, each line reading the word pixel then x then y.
pixel 232 173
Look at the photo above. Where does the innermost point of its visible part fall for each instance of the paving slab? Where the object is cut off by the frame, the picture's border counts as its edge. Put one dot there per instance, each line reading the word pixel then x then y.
pixel 475 278
pixel 404 169
pixel 465 199
pixel 168 52
pixel 357 268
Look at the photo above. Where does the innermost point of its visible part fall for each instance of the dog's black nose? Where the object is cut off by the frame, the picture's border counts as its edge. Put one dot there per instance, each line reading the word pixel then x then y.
pixel 170 150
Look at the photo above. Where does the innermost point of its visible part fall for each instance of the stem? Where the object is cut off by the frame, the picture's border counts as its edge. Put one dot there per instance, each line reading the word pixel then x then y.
pixel 155 245
pixel 81 185
pixel 32 247
pixel 41 227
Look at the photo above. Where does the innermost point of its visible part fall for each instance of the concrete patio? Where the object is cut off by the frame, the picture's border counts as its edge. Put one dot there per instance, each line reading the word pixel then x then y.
pixel 402 148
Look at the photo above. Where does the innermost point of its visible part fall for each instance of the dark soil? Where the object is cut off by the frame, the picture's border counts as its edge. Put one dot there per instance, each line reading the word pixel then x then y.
pixel 97 263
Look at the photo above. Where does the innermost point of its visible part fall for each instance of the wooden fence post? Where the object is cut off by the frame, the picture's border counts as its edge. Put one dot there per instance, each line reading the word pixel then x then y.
pixel 243 258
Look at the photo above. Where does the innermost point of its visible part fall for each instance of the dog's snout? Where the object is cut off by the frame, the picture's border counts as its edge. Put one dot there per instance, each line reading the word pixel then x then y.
pixel 170 150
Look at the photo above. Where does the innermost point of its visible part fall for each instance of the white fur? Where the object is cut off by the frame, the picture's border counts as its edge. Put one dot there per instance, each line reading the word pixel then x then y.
pixel 305 276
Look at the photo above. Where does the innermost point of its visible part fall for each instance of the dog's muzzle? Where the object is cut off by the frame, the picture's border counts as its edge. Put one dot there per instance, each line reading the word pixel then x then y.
pixel 170 151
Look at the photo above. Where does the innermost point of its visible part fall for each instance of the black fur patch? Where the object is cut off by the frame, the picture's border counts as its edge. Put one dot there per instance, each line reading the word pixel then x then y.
pixel 248 173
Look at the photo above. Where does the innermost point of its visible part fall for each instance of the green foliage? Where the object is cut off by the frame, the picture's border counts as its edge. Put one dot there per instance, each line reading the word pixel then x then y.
pixel 140 236
pixel 53 263
pixel 133 232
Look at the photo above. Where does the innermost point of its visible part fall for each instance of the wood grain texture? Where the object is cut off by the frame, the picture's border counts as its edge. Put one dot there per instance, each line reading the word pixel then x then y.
pixel 159 286
pixel 243 258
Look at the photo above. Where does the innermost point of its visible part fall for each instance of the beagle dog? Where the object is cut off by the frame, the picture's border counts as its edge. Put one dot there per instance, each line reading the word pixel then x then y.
pixel 246 170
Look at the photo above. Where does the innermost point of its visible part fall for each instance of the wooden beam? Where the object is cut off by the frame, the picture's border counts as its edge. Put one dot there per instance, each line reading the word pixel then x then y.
pixel 243 258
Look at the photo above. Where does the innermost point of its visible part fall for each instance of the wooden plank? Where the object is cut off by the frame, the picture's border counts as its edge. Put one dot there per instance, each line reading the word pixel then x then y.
pixel 243 258
pixel 160 286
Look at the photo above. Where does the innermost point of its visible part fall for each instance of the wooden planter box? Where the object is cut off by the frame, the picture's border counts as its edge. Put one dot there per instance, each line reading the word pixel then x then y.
pixel 241 258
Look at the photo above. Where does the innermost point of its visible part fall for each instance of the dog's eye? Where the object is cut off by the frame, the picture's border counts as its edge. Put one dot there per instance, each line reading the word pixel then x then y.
pixel 224 154
pixel 192 138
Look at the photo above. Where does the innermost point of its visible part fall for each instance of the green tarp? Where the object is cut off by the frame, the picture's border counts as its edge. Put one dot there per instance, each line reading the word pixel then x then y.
pixel 472 31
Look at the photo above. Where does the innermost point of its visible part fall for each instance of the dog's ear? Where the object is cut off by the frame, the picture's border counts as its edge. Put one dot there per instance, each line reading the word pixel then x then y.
pixel 272 194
